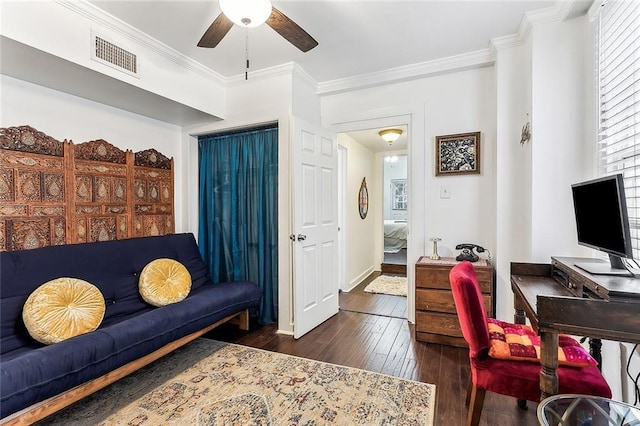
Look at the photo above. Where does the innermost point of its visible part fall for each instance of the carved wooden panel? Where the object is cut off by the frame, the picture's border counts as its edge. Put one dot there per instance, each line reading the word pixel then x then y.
pixel 29 188
pixel 26 233
pixel 3 235
pixel 80 235
pixel 59 232
pixel 154 159
pixel 28 139
pixel 100 150
pixel 153 194
pixel 119 190
pixel 84 189
pixel 54 192
pixel 101 191
pixel 140 190
pixel 32 189
pixel 6 185
pixel 122 230
pixel 102 229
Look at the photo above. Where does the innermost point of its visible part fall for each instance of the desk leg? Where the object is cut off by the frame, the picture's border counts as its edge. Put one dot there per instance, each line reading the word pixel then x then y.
pixel 595 346
pixel 549 364
pixel 519 316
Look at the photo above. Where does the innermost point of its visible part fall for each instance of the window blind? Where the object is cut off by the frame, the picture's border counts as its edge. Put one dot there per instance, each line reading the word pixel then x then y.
pixel 618 95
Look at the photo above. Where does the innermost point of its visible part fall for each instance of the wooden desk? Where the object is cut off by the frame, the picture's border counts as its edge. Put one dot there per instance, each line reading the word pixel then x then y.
pixel 562 298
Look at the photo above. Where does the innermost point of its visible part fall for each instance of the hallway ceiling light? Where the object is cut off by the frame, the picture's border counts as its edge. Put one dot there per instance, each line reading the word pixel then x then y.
pixel 390 135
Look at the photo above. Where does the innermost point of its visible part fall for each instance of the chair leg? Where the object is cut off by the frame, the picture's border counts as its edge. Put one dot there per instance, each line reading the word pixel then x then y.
pixel 468 398
pixel 475 407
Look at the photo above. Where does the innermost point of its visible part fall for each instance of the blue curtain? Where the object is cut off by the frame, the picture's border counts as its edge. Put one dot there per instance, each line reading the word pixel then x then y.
pixel 238 210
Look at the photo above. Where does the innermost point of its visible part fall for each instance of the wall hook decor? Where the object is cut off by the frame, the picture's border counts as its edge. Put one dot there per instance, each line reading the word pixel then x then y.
pixel 525 135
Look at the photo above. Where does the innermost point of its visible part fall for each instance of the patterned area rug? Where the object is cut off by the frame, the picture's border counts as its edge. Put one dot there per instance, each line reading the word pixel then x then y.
pixel 212 383
pixel 384 284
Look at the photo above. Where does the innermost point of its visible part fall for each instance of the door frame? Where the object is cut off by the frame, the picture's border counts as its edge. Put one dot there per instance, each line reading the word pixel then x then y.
pixel 419 156
pixel 343 154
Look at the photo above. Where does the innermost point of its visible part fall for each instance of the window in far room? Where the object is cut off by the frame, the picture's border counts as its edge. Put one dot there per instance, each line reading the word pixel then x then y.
pixel 399 194
pixel 618 101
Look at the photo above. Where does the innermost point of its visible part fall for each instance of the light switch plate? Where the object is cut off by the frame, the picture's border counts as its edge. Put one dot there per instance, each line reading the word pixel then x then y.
pixel 445 191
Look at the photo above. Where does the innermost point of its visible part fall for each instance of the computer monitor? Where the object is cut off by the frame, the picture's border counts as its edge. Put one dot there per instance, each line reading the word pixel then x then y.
pixel 602 222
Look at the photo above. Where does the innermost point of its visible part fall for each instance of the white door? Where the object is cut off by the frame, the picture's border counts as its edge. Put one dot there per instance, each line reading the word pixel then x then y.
pixel 315 205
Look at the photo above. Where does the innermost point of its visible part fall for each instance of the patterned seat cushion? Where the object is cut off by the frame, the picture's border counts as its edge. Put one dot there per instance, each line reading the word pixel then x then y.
pixel 520 342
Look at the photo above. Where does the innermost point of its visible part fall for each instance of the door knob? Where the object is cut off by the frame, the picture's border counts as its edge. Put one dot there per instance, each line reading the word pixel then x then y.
pixel 301 237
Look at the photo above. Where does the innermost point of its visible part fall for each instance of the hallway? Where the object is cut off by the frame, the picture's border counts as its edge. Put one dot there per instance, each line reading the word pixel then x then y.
pixel 357 300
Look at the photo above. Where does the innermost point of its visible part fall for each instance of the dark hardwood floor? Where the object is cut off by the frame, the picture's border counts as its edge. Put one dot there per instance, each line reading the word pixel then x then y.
pixel 386 345
pixel 357 300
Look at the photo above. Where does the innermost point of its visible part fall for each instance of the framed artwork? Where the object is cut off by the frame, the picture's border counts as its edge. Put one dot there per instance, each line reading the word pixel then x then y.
pixel 458 154
pixel 398 194
pixel 363 199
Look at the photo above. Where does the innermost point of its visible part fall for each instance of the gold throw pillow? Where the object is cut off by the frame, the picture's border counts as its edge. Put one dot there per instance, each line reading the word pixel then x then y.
pixel 164 281
pixel 63 308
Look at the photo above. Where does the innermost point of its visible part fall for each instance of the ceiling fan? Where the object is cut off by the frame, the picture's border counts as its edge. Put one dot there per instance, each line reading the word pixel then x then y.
pixel 251 13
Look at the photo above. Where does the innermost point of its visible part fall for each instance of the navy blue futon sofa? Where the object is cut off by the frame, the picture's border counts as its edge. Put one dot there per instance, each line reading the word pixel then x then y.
pixel 31 373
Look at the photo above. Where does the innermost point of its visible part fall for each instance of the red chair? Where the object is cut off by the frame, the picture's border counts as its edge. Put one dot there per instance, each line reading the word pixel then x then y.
pixel 519 379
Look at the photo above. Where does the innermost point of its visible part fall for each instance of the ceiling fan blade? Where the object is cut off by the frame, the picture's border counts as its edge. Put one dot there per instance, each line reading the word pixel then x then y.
pixel 291 31
pixel 216 32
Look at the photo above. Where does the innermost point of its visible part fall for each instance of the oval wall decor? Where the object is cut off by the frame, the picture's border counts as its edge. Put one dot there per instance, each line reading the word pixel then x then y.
pixel 363 199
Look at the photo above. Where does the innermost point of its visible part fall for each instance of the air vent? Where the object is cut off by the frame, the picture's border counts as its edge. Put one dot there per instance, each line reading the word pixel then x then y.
pixel 114 55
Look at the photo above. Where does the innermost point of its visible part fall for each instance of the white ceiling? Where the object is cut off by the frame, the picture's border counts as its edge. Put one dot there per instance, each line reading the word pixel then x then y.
pixel 355 36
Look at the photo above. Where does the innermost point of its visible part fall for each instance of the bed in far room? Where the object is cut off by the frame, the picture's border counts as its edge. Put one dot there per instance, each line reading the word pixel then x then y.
pixel 395 235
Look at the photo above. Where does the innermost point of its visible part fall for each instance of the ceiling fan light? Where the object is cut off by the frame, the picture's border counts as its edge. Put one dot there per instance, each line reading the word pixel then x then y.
pixel 390 135
pixel 246 13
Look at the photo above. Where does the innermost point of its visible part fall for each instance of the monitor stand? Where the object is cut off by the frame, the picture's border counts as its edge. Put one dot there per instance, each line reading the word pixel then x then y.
pixel 615 267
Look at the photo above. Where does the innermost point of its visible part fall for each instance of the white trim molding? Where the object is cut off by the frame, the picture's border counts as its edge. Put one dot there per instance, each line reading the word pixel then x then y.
pixel 477 59
pixel 97 15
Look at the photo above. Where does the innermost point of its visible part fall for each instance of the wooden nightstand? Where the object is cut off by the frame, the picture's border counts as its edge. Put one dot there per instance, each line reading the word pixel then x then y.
pixel 436 318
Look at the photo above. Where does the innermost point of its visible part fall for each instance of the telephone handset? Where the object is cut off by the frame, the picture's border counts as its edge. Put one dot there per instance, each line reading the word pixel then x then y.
pixel 468 253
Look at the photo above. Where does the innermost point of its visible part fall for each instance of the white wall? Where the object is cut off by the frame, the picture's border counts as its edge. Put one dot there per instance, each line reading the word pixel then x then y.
pixel 64 29
pixel 359 233
pixel 453 103
pixel 393 171
pixel 560 144
pixel 513 170
pixel 64 116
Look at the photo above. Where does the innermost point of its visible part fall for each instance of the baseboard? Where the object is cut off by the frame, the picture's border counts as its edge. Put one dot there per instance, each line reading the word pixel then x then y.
pixel 285 332
pixel 354 282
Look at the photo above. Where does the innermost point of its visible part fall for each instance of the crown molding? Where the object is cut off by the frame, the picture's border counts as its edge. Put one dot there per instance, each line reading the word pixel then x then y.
pixel 594 10
pixel 100 17
pixel 300 72
pixel 480 58
pixel 556 13
pixel 477 59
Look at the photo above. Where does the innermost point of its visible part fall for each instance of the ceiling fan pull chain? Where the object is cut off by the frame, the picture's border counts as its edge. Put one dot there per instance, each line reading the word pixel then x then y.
pixel 246 49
